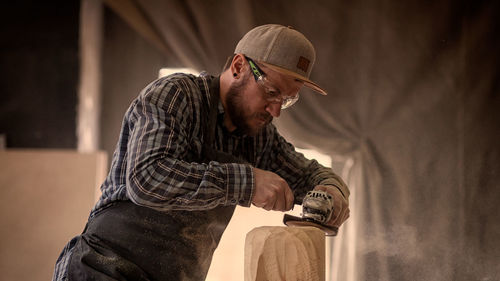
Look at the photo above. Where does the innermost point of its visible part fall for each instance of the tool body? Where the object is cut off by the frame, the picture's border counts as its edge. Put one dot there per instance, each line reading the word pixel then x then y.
pixel 317 209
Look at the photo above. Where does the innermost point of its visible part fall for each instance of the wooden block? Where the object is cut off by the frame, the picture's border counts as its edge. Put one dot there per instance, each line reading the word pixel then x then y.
pixel 278 253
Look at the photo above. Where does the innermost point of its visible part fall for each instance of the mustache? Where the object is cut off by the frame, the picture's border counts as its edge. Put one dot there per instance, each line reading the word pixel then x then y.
pixel 265 116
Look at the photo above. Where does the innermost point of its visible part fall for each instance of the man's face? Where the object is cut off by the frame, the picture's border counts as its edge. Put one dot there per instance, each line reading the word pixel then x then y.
pixel 247 106
pixel 243 115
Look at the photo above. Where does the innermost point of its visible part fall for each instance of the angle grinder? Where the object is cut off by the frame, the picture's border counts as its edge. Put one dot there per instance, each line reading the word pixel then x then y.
pixel 317 209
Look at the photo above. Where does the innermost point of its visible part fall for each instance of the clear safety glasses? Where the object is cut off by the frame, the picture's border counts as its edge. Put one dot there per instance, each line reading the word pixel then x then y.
pixel 273 95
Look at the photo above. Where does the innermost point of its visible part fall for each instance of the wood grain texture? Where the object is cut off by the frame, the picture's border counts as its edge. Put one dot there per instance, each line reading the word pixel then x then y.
pixel 275 253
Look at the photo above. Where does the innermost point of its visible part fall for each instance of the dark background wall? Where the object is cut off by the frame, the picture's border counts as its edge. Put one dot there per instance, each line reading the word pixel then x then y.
pixel 129 63
pixel 39 73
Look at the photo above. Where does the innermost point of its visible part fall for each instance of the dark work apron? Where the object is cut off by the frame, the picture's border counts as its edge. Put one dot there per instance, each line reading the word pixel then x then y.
pixel 129 242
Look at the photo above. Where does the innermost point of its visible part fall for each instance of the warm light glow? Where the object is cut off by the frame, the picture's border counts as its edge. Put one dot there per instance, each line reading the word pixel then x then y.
pixel 167 71
pixel 323 159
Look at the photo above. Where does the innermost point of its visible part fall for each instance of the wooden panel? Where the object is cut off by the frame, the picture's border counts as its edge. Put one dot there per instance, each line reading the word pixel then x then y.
pixel 46 199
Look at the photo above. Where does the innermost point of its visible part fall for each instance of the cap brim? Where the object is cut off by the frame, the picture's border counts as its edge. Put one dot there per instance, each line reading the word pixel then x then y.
pixel 307 82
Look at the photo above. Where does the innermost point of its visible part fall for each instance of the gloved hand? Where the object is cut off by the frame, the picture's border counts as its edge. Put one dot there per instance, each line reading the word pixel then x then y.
pixel 271 191
pixel 340 205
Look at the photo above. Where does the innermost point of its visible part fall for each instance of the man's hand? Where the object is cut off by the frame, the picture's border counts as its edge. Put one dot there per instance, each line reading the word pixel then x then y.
pixel 271 191
pixel 340 205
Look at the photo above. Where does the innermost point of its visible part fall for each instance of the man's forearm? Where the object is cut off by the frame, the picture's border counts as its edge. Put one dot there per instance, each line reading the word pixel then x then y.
pixel 172 184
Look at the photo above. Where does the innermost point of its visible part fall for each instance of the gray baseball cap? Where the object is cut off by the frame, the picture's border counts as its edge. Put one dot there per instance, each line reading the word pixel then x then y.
pixel 282 49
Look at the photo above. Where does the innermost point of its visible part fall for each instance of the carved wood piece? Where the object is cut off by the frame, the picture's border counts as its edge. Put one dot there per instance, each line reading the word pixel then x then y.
pixel 278 253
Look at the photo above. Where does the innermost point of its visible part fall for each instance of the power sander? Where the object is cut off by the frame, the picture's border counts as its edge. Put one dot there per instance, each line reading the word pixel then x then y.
pixel 317 209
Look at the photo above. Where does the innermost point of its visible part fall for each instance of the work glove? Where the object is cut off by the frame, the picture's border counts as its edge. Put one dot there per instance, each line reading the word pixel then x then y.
pixel 340 205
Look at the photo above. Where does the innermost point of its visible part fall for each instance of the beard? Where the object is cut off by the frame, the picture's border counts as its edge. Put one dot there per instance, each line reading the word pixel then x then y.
pixel 241 116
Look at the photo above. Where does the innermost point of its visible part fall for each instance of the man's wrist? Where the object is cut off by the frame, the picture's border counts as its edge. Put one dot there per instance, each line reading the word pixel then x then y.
pixel 239 184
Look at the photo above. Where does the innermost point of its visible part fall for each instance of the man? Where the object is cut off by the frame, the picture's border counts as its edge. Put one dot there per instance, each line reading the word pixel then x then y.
pixel 190 150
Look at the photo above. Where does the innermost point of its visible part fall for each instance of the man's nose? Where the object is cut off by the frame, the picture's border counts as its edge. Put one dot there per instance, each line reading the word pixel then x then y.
pixel 274 109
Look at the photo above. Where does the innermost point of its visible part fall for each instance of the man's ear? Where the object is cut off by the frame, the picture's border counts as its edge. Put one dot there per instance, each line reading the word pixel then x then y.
pixel 237 65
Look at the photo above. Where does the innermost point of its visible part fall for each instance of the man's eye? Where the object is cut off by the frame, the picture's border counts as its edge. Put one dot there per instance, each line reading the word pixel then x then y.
pixel 272 93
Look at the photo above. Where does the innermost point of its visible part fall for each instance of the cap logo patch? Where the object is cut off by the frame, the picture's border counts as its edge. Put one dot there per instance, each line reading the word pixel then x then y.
pixel 303 64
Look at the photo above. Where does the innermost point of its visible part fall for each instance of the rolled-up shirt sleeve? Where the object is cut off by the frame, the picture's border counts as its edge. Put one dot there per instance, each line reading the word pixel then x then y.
pixel 157 176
